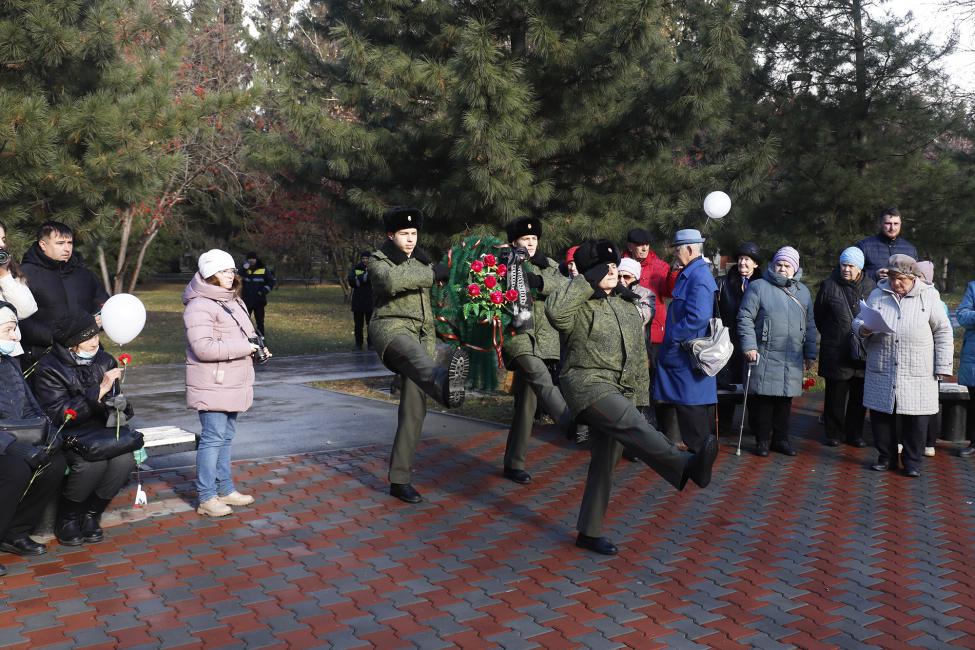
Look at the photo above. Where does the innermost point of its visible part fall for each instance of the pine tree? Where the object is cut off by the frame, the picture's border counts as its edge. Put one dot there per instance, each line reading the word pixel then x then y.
pixel 585 113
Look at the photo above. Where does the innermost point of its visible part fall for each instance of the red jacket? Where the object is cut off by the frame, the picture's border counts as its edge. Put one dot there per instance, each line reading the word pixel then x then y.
pixel 656 275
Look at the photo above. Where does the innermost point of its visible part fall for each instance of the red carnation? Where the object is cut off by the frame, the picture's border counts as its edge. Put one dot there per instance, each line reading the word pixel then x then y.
pixel 490 282
pixel 125 359
pixel 477 266
pixel 70 414
pixel 490 260
pixel 808 383
pixel 502 269
pixel 511 295
pixel 473 290
pixel 497 297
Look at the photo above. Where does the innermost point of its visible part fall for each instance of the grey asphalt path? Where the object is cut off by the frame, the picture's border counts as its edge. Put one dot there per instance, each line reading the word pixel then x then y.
pixel 288 417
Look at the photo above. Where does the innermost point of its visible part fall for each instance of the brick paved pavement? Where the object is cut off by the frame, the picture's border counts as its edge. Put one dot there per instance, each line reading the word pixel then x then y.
pixel 811 552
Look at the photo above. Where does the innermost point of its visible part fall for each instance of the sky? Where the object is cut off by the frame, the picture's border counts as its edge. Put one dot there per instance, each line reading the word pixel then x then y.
pixel 940 17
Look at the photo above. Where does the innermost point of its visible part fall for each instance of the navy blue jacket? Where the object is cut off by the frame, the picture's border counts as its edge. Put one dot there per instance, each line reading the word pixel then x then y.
pixel 878 249
pixel 688 317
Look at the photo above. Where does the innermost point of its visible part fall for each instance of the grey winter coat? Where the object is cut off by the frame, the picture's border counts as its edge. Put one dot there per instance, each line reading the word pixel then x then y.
pixel 776 318
pixel 901 367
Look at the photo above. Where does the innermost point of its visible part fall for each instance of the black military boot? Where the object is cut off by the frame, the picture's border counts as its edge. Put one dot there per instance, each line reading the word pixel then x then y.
pixel 91 523
pixel 68 527
pixel 455 386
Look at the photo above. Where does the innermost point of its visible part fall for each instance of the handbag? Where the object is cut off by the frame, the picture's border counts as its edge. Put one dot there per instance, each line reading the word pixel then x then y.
pixel 858 348
pixel 33 431
pixel 104 444
pixel 709 354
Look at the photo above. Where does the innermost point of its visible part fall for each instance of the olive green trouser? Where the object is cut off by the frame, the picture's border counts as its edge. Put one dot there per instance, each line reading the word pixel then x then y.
pixel 614 423
pixel 532 383
pixel 421 377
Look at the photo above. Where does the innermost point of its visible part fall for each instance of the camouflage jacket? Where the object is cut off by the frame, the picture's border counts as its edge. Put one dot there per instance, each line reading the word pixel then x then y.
pixel 542 340
pixel 605 347
pixel 401 295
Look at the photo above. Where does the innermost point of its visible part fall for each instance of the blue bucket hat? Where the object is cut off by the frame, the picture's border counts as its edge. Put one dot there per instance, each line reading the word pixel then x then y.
pixel 688 236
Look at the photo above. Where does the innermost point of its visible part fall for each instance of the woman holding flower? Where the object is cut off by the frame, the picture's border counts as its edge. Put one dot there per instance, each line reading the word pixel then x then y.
pixel 77 375
pixel 528 350
pixel 23 496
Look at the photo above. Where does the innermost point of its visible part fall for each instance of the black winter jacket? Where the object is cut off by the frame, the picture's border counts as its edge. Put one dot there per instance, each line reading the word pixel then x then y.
pixel 57 287
pixel 837 303
pixel 361 288
pixel 258 281
pixel 16 400
pixel 730 294
pixel 61 383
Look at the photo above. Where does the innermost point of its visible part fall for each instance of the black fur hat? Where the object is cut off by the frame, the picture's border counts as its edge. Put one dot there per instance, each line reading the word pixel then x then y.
pixel 402 218
pixel 74 327
pixel 523 226
pixel 750 249
pixel 591 253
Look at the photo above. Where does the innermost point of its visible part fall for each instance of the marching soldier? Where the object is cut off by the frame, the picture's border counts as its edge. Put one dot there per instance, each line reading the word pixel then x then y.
pixel 603 379
pixel 526 353
pixel 403 335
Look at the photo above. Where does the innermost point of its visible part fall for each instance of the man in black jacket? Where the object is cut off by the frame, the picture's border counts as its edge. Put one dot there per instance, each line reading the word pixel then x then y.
pixel 879 248
pixel 60 282
pixel 837 304
pixel 258 282
pixel 361 299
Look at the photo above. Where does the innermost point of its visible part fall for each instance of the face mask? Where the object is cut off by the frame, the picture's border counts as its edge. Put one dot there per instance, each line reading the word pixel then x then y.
pixel 7 347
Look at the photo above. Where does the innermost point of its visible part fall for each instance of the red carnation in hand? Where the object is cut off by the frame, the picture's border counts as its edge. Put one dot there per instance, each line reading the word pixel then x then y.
pixel 473 290
pixel 497 297
pixel 502 269
pixel 511 295
pixel 477 266
pixel 490 260
pixel 490 282
pixel 125 359
pixel 70 414
pixel 808 383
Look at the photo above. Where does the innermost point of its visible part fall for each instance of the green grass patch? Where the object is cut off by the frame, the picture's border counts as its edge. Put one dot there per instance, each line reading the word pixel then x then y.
pixel 493 407
pixel 299 320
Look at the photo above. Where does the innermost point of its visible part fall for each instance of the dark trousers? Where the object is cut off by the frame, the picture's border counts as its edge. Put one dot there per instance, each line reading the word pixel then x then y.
pixel 726 417
pixel 361 319
pixel 970 415
pixel 844 411
pixel 103 478
pixel 614 423
pixel 258 311
pixel 768 417
pixel 532 386
pixel 20 512
pixel 693 423
pixel 913 431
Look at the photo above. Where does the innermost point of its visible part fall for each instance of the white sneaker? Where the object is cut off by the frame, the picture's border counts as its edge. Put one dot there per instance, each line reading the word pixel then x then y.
pixel 214 508
pixel 235 498
pixel 900 449
pixel 929 452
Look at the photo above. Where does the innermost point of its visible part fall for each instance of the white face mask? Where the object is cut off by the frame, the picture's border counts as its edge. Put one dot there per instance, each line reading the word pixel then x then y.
pixel 82 354
pixel 7 348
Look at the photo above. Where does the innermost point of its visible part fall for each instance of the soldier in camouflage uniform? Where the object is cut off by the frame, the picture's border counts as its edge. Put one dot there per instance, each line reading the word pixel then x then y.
pixel 403 335
pixel 604 378
pixel 526 353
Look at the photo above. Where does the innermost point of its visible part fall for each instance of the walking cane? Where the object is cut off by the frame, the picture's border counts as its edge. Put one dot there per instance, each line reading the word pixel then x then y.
pixel 744 403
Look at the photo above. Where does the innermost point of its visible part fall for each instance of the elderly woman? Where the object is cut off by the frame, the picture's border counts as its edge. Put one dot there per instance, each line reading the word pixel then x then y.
pixel 966 372
pixel 78 374
pixel 837 304
pixel 903 368
pixel 22 501
pixel 731 290
pixel 778 334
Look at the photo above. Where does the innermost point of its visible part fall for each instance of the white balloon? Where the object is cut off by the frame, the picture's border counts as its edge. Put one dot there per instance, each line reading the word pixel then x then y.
pixel 123 317
pixel 717 205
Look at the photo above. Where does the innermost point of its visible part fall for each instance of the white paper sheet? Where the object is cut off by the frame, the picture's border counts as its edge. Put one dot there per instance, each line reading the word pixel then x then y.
pixel 873 320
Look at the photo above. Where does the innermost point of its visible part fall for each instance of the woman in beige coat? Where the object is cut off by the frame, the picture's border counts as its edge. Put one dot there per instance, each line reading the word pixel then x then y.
pixel 219 375
pixel 903 368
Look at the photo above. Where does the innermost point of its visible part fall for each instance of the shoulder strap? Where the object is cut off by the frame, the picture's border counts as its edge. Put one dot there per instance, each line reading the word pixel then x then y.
pixel 794 299
pixel 230 312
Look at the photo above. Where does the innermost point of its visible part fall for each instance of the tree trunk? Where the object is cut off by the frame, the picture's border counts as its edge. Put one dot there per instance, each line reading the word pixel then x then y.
pixel 123 250
pixel 103 266
pixel 138 260
pixel 860 68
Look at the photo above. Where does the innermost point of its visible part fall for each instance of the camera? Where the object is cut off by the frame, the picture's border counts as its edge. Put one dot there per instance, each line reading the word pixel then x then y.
pixel 4 256
pixel 261 354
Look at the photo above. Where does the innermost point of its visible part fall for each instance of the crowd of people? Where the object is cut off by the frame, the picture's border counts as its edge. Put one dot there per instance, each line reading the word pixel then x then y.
pixel 618 325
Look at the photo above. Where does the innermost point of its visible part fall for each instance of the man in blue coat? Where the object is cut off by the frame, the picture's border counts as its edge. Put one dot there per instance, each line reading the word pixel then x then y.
pixel 879 248
pixel 678 385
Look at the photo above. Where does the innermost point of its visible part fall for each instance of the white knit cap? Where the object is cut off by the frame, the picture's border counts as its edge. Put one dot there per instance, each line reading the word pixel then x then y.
pixel 7 315
pixel 631 266
pixel 215 260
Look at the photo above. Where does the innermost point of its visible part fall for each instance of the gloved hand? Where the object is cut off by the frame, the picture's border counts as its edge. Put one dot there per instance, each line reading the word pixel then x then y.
pixel 540 260
pixel 120 402
pixel 596 274
pixel 441 272
pixel 33 456
pixel 534 281
pixel 421 255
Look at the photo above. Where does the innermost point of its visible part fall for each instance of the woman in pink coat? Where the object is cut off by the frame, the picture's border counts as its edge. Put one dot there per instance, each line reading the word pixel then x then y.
pixel 219 375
